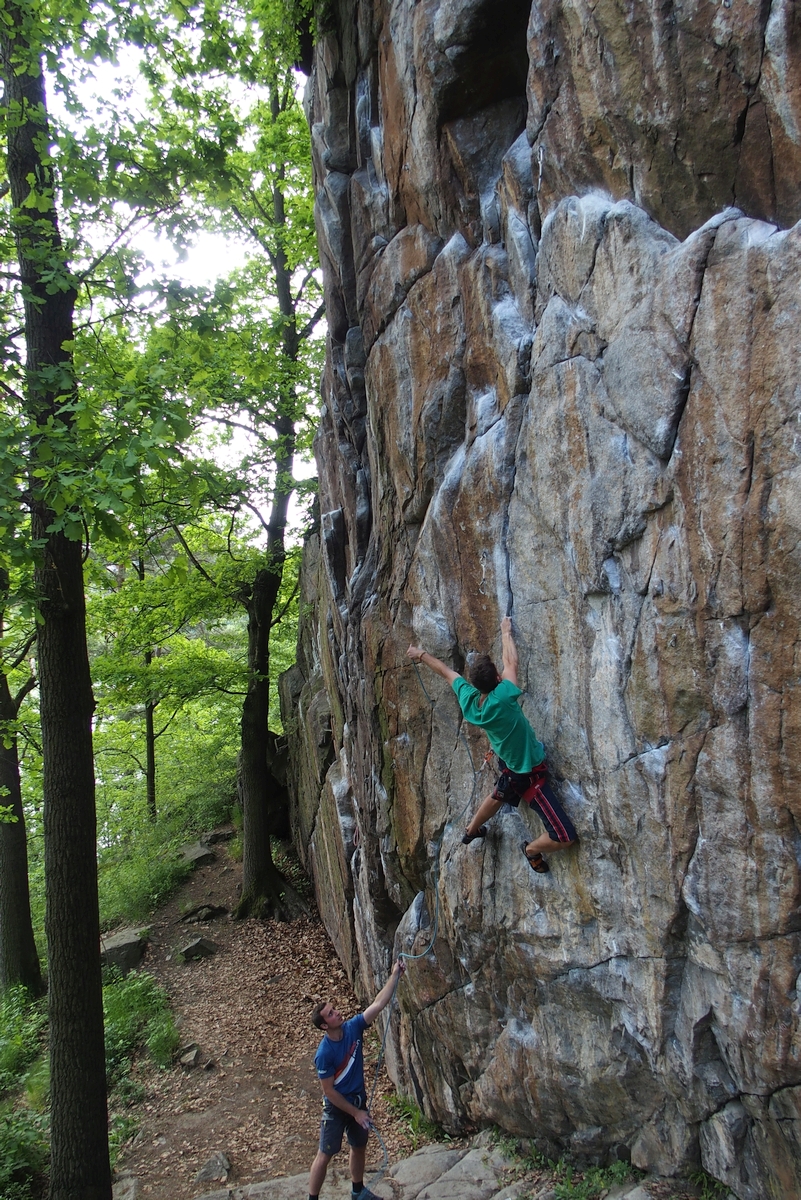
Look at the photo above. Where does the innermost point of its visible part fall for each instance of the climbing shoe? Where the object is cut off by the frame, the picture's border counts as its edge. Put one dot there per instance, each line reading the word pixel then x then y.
pixel 471 837
pixel 535 861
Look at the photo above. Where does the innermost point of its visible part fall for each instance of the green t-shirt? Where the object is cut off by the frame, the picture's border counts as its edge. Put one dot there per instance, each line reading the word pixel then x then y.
pixel 509 733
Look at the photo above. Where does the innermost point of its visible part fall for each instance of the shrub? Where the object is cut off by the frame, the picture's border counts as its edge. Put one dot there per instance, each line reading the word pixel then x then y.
pixel 134 880
pixel 23 1154
pixel 21 1024
pixel 136 1013
pixel 592 1182
pixel 418 1126
pixel 708 1188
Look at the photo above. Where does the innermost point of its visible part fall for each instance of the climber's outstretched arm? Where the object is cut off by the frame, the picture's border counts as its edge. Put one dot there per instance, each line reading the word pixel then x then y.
pixel 510 661
pixel 436 664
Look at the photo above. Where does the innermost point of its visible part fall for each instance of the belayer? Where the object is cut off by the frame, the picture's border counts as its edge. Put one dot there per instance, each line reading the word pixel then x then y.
pixel 340 1068
pixel 490 701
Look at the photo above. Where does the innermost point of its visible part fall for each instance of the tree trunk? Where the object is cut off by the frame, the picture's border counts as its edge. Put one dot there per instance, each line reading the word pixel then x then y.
pixel 79 1118
pixel 264 889
pixel 150 728
pixel 19 962
pixel 79 1122
pixel 150 751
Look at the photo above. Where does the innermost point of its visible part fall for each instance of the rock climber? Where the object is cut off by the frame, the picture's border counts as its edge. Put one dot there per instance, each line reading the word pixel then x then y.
pixel 490 701
pixel 340 1067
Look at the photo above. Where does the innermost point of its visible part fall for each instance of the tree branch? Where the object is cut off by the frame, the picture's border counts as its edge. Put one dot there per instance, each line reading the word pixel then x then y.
pixel 316 316
pixel 23 653
pixel 28 686
pixel 277 620
pixel 190 555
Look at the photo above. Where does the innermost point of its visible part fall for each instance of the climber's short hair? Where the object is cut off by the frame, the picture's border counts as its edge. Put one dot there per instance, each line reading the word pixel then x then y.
pixel 483 674
pixel 316 1018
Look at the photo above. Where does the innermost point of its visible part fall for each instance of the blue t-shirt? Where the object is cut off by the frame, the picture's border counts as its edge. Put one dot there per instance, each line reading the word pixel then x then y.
pixel 509 733
pixel 343 1059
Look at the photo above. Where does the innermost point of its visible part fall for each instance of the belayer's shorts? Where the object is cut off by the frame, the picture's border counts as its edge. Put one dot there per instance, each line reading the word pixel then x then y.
pixel 511 788
pixel 335 1123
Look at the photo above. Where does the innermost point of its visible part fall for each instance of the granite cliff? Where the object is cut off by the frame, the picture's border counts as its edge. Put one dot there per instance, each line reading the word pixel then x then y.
pixel 562 278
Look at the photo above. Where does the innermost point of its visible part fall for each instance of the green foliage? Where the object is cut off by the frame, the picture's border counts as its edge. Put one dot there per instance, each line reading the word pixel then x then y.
pixel 137 1013
pixel 23 1153
pixel 287 862
pixel 158 383
pixel 418 1127
pixel 507 1145
pixel 122 1127
pixel 22 1023
pixel 590 1182
pixel 570 1182
pixel 135 879
pixel 36 1084
pixel 708 1188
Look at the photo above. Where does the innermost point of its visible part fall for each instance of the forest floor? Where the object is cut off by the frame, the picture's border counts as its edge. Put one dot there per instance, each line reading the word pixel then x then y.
pixel 254 1094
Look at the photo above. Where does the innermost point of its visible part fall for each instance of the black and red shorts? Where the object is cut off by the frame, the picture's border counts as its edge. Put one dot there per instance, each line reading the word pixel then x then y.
pixel 532 787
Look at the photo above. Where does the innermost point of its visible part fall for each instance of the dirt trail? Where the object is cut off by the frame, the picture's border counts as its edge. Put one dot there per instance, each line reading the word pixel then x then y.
pixel 254 1094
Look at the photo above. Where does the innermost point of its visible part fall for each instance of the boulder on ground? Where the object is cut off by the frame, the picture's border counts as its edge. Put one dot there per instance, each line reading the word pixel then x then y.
pixel 217 1167
pixel 197 855
pixel 199 948
pixel 123 949
pixel 125 1187
pixel 204 912
pixel 218 835
pixel 189 1056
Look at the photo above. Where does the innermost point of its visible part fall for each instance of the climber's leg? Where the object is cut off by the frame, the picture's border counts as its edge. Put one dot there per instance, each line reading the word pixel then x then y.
pixel 559 829
pixel 486 810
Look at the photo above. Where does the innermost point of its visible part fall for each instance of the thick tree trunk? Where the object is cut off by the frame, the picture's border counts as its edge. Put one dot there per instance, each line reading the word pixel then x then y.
pixel 19 962
pixel 79 1119
pixel 79 1124
pixel 265 891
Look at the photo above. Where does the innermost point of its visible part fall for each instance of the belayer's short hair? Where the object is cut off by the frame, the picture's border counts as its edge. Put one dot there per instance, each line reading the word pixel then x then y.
pixel 316 1017
pixel 483 674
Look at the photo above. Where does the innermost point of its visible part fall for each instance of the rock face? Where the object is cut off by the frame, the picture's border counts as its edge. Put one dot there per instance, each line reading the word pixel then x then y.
pixel 562 383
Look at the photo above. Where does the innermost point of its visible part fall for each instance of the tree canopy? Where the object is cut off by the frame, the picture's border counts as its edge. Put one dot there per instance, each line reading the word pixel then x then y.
pixel 149 434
